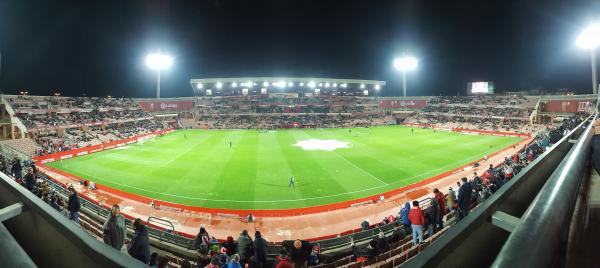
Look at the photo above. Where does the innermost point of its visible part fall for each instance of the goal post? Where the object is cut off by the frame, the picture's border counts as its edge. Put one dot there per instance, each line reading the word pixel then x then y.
pixel 442 128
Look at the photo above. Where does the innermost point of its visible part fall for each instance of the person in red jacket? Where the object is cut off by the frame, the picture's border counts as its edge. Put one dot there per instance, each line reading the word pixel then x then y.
pixel 417 221
pixel 440 198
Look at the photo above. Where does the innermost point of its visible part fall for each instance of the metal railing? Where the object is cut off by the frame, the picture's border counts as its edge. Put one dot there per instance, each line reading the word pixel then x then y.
pixel 547 219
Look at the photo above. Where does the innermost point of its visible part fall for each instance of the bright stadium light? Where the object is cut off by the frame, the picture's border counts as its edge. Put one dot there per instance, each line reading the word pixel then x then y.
pixel 320 84
pixel 334 84
pixel 362 85
pixel 281 84
pixel 219 85
pixel 199 86
pixel 158 61
pixel 265 84
pixel 404 64
pixel 344 85
pixel 590 39
pixel 234 85
pixel 301 84
pixel 290 84
pixel 312 84
pixel 327 84
pixel 377 87
pixel 249 84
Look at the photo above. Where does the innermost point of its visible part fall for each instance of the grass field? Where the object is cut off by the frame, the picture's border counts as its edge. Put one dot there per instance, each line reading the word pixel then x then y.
pixel 199 168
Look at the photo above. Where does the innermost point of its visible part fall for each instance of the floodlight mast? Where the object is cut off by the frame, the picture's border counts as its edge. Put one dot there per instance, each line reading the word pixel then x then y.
pixel 404 64
pixel 158 62
pixel 590 39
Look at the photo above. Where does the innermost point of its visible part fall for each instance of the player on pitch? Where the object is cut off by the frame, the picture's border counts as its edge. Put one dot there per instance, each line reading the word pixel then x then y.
pixel 292 182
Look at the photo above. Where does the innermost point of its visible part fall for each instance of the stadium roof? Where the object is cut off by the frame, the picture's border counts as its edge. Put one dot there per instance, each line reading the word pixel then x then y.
pixel 285 82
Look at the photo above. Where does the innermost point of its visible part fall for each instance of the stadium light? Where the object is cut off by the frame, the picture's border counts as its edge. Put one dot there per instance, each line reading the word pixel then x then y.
pixel 404 64
pixel 344 85
pixel 219 85
pixel 362 85
pixel 158 61
pixel 265 84
pixel 377 87
pixel 290 84
pixel 312 84
pixel 590 39
pixel 334 84
pixel 327 84
pixel 199 86
pixel 301 84
pixel 249 84
pixel 234 85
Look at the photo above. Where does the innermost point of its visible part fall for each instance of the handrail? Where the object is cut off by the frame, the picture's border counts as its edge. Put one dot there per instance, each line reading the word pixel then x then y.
pixel 547 218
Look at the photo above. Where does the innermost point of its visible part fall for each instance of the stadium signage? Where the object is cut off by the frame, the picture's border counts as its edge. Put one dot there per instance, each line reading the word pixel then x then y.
pixel 157 106
pixel 390 104
pixel 96 148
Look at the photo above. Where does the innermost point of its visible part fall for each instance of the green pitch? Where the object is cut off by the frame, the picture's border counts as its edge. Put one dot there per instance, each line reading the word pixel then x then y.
pixel 199 168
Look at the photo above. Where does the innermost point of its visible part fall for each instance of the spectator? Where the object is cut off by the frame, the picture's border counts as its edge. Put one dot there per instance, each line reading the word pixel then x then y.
pixel 368 253
pixel 417 220
pixel 203 255
pixel 30 179
pixel 139 246
pixel 381 242
pixel 231 246
pixel 433 216
pixel 260 249
pixel 186 264
pixel 74 205
pixel 202 239
pixel 398 233
pixel 62 209
pixel 153 260
pixel 464 198
pixel 245 248
pixel 299 252
pixel 450 198
pixel 404 217
pixel 162 261
pixel 441 201
pixel 283 261
pixel 365 225
pixel 114 229
pixel 17 169
pixel 234 261
pixel 251 263
pixel 214 263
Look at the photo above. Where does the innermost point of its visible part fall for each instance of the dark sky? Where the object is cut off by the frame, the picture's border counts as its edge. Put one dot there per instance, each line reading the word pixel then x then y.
pixel 98 47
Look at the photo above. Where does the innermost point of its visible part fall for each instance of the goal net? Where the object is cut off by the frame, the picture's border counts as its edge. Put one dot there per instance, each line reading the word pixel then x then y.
pixel 442 128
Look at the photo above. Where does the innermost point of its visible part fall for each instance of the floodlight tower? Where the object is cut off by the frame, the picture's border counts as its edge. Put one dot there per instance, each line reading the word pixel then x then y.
pixel 158 62
pixel 404 64
pixel 590 39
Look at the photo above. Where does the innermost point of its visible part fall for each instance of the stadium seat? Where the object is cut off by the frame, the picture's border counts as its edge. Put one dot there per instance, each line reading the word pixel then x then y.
pixel 382 257
pixel 407 246
pixel 412 252
pixel 400 259
pixel 388 264
pixel 326 265
pixel 424 245
pixel 343 261
pixel 355 265
pixel 396 252
pixel 369 262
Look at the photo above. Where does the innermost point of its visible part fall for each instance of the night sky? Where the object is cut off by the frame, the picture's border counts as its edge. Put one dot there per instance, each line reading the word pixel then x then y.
pixel 98 47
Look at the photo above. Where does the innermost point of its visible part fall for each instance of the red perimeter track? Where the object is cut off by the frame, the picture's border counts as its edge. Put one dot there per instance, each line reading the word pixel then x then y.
pixel 239 213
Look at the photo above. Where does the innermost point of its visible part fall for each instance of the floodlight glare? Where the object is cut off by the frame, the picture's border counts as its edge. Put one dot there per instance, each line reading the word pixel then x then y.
pixel 265 84
pixel 327 84
pixel 406 63
pixel 344 85
pixel 362 85
pixel 290 84
pixel 334 84
pixel 590 37
pixel 219 85
pixel 199 86
pixel 320 84
pixel 249 84
pixel 281 84
pixel 158 61
pixel 301 84
pixel 377 87
pixel 234 85
pixel 312 84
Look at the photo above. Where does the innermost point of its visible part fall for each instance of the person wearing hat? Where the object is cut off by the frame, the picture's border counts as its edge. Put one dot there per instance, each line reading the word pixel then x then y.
pixel 74 205
pixel 299 251
pixel 260 249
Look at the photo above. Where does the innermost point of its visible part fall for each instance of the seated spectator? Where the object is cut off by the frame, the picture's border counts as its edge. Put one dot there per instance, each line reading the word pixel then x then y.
pixel 368 252
pixel 381 242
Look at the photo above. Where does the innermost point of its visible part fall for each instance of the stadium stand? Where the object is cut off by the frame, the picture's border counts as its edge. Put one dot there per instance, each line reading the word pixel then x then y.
pixel 62 123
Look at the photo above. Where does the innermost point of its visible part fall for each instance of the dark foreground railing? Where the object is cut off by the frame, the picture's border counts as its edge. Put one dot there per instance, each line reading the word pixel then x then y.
pixel 48 238
pixel 477 240
pixel 539 239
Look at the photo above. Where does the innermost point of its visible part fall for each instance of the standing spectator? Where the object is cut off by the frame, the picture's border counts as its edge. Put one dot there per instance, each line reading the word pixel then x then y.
pixel 139 246
pixel 417 220
pixel 202 239
pixel 433 216
pixel 231 246
pixel 17 169
pixel 245 246
pixel 450 198
pixel 114 229
pixel 30 179
pixel 404 217
pixel 260 249
pixel 74 205
pixel 464 198
pixel 299 252
pixel 441 201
